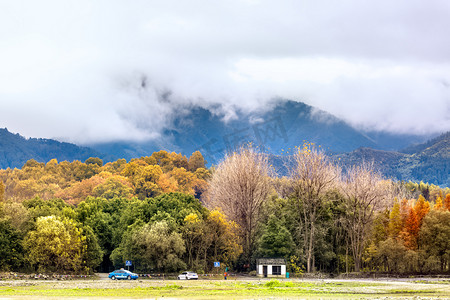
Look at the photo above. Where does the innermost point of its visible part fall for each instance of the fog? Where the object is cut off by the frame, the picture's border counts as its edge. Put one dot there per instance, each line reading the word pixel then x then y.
pixel 97 71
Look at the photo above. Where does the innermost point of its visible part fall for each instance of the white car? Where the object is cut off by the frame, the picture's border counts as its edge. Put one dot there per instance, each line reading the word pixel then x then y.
pixel 188 276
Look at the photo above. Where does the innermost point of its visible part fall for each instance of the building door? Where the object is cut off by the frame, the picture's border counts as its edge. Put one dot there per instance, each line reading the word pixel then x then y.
pixel 265 271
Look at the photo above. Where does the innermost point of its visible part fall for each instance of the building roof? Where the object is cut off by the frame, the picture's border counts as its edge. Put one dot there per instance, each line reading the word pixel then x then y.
pixel 270 261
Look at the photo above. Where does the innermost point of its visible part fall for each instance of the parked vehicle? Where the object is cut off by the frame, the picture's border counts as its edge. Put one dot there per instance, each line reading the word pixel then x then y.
pixel 188 276
pixel 123 274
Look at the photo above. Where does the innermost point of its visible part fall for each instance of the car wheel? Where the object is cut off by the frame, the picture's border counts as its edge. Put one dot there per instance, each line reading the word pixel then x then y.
pixel 113 277
pixel 129 277
pixel 179 278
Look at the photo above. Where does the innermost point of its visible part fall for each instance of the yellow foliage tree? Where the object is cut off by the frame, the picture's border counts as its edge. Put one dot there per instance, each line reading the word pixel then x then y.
pixel 55 245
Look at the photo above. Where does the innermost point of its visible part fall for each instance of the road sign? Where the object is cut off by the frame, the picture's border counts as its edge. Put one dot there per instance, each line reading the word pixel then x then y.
pixel 217 264
pixel 128 263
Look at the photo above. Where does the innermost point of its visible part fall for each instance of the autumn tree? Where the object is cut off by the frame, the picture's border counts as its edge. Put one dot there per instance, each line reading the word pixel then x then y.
pixel 78 191
pixel 185 180
pixel 144 178
pixel 197 239
pixel 17 215
pixel 365 194
pixel 2 191
pixel 167 183
pixel 395 220
pixel 239 186
pixel 410 231
pixel 196 161
pixel 312 176
pixel 115 186
pixel 55 245
pixel 225 246
pixel 421 209
pixel 439 203
pixel 94 161
pixel 447 202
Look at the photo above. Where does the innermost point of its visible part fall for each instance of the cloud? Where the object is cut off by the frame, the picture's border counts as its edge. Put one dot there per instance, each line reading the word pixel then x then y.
pixel 95 71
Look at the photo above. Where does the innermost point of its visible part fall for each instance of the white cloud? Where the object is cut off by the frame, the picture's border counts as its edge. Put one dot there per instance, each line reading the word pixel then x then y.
pixel 73 69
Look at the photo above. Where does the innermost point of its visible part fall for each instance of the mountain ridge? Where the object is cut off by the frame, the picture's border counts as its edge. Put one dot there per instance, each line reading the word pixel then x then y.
pixel 430 163
pixel 287 125
pixel 16 150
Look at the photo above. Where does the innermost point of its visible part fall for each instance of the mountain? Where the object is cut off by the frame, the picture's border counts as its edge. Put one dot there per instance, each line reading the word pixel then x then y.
pixel 15 150
pixel 287 125
pixel 427 162
pixel 276 131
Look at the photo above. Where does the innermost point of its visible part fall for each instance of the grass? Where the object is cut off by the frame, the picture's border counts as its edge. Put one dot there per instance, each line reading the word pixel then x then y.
pixel 231 289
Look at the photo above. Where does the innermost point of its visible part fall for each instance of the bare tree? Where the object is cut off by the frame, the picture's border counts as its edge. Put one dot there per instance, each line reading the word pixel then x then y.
pixel 366 192
pixel 239 186
pixel 312 175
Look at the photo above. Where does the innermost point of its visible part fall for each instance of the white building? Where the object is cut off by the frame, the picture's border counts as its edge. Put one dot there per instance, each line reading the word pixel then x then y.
pixel 271 267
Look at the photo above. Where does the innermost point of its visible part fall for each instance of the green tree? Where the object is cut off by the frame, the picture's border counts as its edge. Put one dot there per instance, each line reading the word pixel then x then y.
pixel 11 252
pixel 176 205
pixel 391 253
pixel 276 240
pixel 92 254
pixel 152 247
pixel 435 236
pixel 38 207
pixel 104 217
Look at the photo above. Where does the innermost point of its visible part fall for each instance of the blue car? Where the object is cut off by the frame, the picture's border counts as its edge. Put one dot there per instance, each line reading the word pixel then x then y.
pixel 123 274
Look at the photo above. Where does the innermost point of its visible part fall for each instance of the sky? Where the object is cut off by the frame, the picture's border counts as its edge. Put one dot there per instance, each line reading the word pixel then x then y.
pixel 99 71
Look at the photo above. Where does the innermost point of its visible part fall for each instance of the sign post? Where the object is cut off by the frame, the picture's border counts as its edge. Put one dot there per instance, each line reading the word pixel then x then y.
pixel 217 265
pixel 128 264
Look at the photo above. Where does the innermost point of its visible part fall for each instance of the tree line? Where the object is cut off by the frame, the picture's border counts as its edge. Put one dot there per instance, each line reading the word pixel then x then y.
pixel 167 212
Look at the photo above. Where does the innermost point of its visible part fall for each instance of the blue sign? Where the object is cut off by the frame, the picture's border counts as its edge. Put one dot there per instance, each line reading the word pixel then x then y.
pixel 128 263
pixel 217 264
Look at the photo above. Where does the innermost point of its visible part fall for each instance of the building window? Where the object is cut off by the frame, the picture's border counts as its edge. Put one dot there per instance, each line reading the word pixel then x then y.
pixel 276 270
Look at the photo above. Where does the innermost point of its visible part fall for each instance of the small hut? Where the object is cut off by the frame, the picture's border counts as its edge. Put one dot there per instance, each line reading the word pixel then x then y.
pixel 271 267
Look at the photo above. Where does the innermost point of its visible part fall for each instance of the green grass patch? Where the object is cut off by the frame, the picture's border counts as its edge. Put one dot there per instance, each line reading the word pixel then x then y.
pixel 222 289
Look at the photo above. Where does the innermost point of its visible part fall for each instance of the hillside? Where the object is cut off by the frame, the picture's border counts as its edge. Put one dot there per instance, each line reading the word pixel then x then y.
pixel 428 162
pixel 15 150
pixel 286 125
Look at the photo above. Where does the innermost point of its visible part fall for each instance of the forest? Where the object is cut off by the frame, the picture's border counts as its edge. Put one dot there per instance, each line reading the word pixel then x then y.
pixel 168 212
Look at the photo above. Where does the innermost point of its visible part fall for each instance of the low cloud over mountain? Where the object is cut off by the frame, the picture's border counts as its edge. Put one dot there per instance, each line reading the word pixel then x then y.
pixel 105 71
